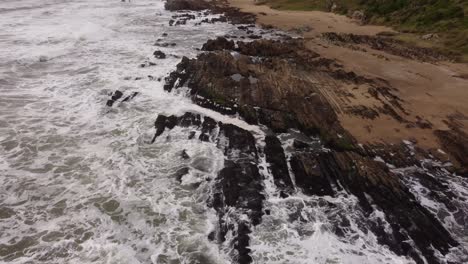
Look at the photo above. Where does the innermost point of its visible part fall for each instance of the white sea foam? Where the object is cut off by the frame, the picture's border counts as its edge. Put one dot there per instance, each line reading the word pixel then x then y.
pixel 80 183
pixel 81 179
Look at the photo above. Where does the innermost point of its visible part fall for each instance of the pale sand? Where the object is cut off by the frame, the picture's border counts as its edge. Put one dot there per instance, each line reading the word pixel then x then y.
pixel 430 91
pixel 319 21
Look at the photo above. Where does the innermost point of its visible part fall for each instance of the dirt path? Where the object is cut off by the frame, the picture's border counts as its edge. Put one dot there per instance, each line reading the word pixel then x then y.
pixel 430 93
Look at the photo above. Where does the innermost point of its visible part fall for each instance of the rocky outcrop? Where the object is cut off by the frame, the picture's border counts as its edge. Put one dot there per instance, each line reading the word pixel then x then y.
pixel 389 45
pixel 275 156
pixel 455 142
pixel 163 122
pixel 266 89
pixel 413 228
pixel 177 5
pixel 117 95
pixel 308 175
pixel 218 44
pixel 159 54
pixel 238 185
pixel 283 86
pixel 130 97
pixel 228 13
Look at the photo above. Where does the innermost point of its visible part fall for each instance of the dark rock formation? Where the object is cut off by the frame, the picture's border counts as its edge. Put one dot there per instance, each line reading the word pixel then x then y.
pixel 220 43
pixel 207 128
pixel 147 64
pixel 181 173
pixel 261 89
pixel 163 122
pixel 282 85
pixel 184 154
pixel 390 45
pixel 363 111
pixel 279 168
pixel 238 185
pixel 159 54
pixel 115 96
pixel 308 175
pixel 327 173
pixel 130 97
pixel 181 19
pixel 455 142
pixel 165 44
pixel 178 5
pixel 229 13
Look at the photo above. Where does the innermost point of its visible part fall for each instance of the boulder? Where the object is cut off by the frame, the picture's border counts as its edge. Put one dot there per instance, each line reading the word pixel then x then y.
pixel 219 43
pixel 193 5
pixel 115 96
pixel 159 54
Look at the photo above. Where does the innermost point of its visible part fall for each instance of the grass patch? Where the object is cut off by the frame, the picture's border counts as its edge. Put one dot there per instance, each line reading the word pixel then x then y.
pixel 447 18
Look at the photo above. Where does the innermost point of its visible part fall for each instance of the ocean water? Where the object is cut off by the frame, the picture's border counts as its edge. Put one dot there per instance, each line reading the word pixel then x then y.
pixel 80 181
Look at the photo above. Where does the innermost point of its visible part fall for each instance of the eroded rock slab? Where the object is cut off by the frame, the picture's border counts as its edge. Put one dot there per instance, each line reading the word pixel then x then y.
pixel 238 185
pixel 228 13
pixel 283 86
pixel 258 83
pixel 414 231
pixel 389 45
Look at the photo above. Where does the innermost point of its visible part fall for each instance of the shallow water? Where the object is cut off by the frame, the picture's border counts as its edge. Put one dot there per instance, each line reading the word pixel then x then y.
pixel 81 183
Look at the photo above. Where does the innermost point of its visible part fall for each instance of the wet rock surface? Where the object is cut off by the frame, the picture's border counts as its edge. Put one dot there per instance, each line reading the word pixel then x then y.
pixel 327 173
pixel 117 95
pixel 275 156
pixel 176 5
pixel 281 85
pixel 261 88
pixel 238 185
pixel 159 54
pixel 233 15
pixel 218 44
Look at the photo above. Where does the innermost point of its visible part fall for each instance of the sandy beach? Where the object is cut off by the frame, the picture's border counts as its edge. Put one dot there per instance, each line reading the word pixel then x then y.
pixel 435 92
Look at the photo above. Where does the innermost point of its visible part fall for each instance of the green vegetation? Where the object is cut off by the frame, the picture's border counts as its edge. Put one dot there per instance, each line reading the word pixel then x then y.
pixel 342 6
pixel 447 18
pixel 306 5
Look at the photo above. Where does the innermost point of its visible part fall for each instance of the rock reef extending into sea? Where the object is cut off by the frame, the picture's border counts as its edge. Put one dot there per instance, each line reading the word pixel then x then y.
pixel 281 86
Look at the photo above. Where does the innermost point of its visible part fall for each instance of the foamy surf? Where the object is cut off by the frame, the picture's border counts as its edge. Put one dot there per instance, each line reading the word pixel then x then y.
pixel 81 183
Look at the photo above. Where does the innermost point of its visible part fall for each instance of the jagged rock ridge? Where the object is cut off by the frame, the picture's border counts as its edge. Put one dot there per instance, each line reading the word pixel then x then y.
pixel 266 83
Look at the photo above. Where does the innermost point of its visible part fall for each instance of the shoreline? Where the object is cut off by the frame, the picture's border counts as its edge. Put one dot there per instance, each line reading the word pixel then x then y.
pixel 434 92
pixel 178 131
pixel 318 21
pixel 302 96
